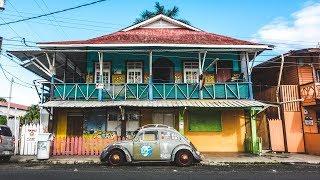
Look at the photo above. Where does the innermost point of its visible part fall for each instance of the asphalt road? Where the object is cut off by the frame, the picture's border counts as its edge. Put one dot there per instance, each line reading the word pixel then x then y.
pixel 160 172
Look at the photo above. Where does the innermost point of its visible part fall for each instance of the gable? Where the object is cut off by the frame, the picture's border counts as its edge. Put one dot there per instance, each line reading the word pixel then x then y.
pixel 161 21
pixel 161 24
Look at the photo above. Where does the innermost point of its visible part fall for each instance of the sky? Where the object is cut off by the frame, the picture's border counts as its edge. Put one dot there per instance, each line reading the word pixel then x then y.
pixel 287 24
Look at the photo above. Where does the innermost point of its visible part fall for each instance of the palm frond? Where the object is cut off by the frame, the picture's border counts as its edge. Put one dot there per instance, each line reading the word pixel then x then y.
pixel 159 9
pixel 172 12
pixel 184 21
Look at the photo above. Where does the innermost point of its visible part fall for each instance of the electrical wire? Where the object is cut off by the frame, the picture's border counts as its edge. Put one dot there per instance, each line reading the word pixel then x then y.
pixel 55 12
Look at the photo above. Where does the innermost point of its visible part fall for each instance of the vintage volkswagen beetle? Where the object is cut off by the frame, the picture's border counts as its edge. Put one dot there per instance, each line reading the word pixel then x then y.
pixel 152 143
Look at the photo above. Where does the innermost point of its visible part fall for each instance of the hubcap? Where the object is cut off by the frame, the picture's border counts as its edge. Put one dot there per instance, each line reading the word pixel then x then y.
pixel 115 159
pixel 184 158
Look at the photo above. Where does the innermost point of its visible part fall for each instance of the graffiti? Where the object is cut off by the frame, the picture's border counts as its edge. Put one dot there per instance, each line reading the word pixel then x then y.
pixel 146 151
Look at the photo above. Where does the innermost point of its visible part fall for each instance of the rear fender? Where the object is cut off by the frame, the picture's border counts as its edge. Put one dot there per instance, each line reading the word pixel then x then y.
pixel 182 147
pixel 106 152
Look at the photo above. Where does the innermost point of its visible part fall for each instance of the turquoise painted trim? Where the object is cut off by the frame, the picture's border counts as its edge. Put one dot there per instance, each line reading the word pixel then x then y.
pixel 82 91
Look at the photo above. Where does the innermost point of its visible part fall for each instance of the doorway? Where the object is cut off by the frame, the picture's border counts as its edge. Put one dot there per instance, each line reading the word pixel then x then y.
pixel 163 71
pixel 74 124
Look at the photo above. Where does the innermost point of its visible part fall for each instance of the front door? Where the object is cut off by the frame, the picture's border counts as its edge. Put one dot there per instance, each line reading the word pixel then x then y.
pixel 146 146
pixel 74 125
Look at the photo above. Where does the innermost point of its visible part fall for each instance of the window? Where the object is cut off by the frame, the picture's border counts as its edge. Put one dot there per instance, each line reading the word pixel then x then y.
pixel 150 136
pixel 169 136
pixel 191 72
pixel 318 75
pixel 105 72
pixel 134 72
pixel 5 131
pixel 205 121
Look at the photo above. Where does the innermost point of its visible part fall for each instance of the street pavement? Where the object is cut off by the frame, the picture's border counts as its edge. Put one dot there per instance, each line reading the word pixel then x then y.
pixel 43 171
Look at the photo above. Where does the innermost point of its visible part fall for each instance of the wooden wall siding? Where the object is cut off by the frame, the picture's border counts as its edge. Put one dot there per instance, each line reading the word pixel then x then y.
pixel 276 135
pixel 267 94
pixel 290 75
pixel 312 143
pixel 289 93
pixel 305 74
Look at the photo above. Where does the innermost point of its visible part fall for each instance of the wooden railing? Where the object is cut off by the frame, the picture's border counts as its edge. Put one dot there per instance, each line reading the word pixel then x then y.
pixel 310 92
pixel 83 91
pixel 80 145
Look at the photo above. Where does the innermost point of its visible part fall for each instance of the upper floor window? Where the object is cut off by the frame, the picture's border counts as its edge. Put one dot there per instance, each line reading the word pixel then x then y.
pixel 134 72
pixel 191 72
pixel 105 73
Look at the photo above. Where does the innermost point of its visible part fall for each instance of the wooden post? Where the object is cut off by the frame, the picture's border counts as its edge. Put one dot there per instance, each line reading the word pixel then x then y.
pixel 249 76
pixel 181 121
pixel 150 77
pixel 100 81
pixel 254 139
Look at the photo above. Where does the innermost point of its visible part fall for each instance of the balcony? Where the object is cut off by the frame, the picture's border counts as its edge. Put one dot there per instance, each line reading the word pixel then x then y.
pixel 118 92
pixel 310 92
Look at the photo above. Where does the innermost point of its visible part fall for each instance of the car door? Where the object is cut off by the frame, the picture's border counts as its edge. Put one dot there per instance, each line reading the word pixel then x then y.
pixel 168 141
pixel 146 146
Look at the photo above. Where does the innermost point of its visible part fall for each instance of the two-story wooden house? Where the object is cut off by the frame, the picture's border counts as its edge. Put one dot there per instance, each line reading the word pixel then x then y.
pixel 160 71
pixel 298 98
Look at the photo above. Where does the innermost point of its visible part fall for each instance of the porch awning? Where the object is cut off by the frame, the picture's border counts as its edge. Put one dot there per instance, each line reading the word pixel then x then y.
pixel 159 103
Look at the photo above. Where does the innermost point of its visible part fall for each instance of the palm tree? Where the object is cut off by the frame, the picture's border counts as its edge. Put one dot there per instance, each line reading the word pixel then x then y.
pixel 160 9
pixel 32 115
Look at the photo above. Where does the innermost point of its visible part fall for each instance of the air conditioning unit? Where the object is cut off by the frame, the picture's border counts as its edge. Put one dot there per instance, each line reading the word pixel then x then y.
pixel 2 2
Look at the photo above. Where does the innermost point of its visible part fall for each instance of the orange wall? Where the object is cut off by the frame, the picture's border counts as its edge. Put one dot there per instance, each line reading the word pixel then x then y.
pixel 308 128
pixel 312 143
pixel 276 135
pixel 294 131
pixel 230 139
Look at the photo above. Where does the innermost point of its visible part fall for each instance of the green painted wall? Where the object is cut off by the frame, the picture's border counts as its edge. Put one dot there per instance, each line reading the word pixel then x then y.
pixel 118 60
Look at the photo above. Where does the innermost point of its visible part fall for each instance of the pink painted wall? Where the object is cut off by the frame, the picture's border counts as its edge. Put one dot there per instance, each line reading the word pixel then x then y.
pixel 276 135
pixel 294 131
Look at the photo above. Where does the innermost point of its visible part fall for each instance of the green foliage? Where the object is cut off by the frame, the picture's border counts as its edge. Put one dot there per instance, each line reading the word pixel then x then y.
pixel 3 100
pixel 32 115
pixel 160 9
pixel 3 120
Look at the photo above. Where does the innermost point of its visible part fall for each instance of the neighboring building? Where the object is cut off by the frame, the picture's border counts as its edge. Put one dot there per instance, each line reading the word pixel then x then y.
pixel 298 95
pixel 158 71
pixel 15 111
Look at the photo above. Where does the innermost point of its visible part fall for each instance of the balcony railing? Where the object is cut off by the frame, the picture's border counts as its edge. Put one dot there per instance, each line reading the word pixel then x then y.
pixel 310 92
pixel 83 91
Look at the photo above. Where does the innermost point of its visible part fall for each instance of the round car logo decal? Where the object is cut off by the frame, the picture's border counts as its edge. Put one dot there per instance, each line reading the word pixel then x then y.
pixel 146 151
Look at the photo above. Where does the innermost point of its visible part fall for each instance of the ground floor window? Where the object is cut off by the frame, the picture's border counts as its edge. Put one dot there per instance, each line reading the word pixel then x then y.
pixel 165 118
pixel 205 121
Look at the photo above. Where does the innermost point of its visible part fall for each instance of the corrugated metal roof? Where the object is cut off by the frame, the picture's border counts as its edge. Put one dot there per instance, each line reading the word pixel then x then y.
pixel 158 103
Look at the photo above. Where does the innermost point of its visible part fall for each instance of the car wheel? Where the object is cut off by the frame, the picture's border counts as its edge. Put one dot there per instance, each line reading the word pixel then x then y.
pixel 116 158
pixel 184 158
pixel 5 159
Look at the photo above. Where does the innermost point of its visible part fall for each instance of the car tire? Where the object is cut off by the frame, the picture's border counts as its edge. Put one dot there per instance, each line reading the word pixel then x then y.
pixel 5 159
pixel 184 158
pixel 116 158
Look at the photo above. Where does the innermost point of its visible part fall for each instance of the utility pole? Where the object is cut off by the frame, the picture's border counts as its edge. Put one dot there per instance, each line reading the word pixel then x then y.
pixel 9 100
pixel 2 2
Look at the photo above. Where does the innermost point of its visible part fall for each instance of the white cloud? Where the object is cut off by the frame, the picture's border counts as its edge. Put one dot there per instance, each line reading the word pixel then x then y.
pixel 302 30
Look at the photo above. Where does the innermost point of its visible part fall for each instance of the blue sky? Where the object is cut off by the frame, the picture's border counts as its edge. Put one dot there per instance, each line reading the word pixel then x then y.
pixel 286 23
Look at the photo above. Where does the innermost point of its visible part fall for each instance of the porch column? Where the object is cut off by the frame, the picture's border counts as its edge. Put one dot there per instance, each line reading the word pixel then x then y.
pixel 100 84
pixel 254 139
pixel 181 120
pixel 150 83
pixel 249 76
pixel 52 69
pixel 123 123
pixel 201 66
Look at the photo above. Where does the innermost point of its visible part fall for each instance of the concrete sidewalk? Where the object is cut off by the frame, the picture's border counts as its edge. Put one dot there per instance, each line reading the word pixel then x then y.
pixel 208 159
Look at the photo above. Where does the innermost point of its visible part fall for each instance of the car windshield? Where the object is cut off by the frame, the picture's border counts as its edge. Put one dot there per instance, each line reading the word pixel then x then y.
pixel 135 133
pixel 5 131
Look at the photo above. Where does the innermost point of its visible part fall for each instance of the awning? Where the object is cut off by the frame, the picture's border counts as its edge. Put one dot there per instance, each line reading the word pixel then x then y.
pixel 159 103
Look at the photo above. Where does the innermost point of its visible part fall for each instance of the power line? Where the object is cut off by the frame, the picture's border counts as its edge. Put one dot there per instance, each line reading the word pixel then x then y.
pixel 55 12
pixel 30 28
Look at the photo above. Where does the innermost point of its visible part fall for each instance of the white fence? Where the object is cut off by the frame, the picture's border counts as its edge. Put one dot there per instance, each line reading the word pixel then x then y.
pixel 28 139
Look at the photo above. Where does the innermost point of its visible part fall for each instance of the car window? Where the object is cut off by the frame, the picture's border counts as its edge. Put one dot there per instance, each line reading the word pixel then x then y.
pixel 5 131
pixel 150 136
pixel 167 135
